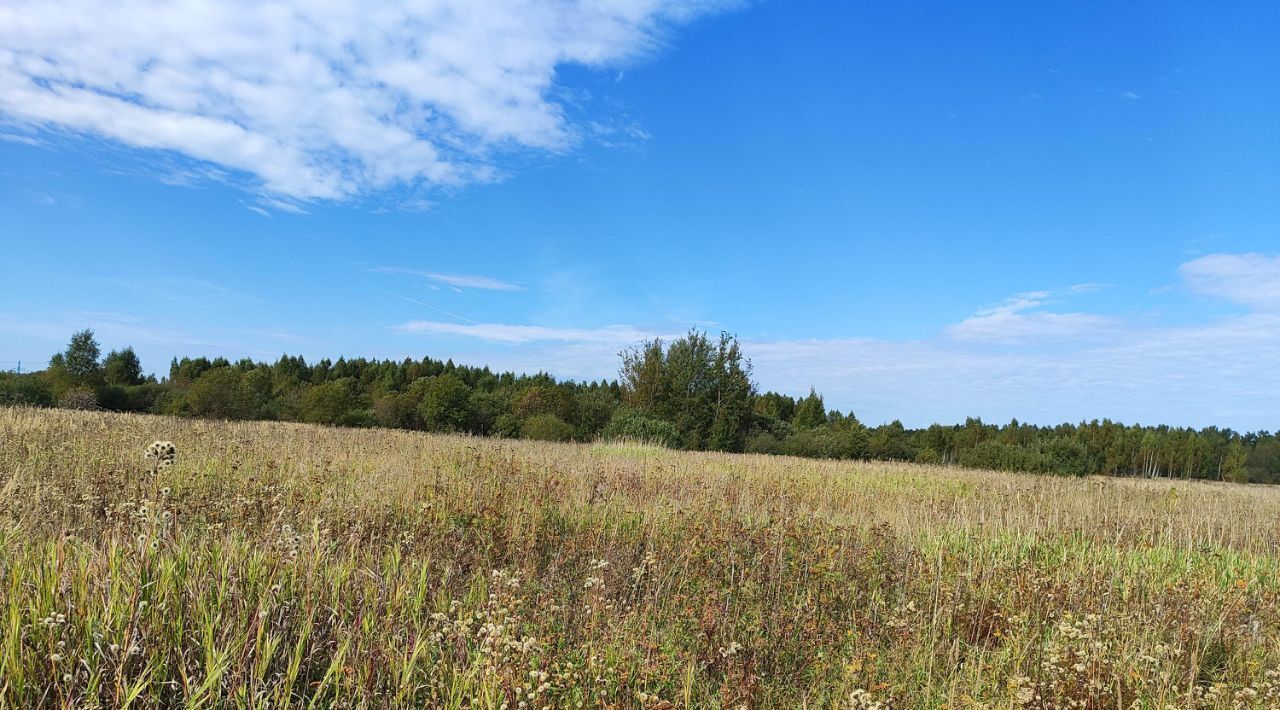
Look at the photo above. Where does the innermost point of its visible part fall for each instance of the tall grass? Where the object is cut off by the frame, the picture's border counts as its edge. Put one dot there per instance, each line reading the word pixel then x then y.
pixel 284 565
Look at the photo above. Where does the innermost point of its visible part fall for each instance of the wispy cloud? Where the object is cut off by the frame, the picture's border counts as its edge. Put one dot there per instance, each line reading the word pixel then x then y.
pixel 185 289
pixel 19 138
pixel 1251 280
pixel 116 330
pixel 43 199
pixel 1024 317
pixel 321 101
pixel 520 334
pixel 1219 372
pixel 457 281
pixel 1018 358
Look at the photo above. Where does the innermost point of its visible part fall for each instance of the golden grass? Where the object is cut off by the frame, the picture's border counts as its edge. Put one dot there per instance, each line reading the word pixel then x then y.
pixel 282 564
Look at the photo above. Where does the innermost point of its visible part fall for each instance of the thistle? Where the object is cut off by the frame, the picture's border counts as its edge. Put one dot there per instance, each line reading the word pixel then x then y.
pixel 161 454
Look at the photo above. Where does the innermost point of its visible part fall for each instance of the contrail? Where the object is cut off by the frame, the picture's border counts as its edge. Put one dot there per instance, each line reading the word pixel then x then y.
pixel 428 305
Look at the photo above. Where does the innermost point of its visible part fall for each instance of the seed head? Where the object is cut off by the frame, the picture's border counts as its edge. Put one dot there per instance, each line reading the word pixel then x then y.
pixel 162 453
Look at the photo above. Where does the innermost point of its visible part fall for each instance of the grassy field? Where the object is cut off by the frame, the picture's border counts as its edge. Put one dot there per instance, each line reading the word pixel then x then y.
pixel 279 564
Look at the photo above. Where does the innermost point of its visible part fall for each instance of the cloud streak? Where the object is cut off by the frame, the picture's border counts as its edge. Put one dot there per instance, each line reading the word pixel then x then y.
pixel 457 281
pixel 320 100
pixel 522 334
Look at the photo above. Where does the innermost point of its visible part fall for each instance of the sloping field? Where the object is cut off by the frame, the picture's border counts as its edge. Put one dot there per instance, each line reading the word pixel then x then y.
pixel 279 564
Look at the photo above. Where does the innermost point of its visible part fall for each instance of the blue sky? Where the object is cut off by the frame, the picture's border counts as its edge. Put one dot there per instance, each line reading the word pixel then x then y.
pixel 1048 211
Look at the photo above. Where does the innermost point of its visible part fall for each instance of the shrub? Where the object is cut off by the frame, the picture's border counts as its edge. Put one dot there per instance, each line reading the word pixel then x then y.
pixel 79 399
pixel 25 389
pixel 395 411
pixel 507 426
pixel 632 425
pixel 762 443
pixel 546 427
pixel 444 403
pixel 220 393
pixel 331 402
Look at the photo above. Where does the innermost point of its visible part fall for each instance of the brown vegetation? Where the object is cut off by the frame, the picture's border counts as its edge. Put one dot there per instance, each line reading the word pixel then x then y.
pixel 279 564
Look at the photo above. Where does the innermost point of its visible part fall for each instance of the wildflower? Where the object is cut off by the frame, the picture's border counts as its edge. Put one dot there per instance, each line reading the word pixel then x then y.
pixel 731 650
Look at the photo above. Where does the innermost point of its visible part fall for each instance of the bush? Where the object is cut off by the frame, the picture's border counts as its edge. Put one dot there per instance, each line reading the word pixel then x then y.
pixel 30 389
pixel 1066 456
pixel 816 443
pixel 630 424
pixel 928 456
pixel 507 426
pixel 395 411
pixel 130 398
pixel 331 402
pixel 79 399
pixel 546 427
pixel 444 403
pixel 999 456
pixel 762 443
pixel 220 393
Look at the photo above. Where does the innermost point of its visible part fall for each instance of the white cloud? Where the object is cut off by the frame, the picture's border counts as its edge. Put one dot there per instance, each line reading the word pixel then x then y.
pixel 1022 318
pixel 1251 280
pixel 520 334
pixel 1019 327
pixel 1215 373
pixel 320 99
pixel 457 281
pixel 1221 372
pixel 1016 303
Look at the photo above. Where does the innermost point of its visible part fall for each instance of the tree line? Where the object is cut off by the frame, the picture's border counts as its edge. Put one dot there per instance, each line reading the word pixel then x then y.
pixel 695 393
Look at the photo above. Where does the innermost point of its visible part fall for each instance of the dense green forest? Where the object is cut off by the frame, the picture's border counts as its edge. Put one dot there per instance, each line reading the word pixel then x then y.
pixel 693 393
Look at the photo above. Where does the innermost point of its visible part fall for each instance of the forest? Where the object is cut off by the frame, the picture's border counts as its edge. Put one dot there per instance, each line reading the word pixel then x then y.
pixel 695 393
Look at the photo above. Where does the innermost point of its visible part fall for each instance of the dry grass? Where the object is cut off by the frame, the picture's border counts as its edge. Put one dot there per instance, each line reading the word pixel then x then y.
pixel 279 564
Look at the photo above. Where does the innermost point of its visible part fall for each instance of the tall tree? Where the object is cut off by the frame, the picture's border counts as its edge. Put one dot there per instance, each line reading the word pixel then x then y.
pixel 734 397
pixel 644 378
pixel 703 388
pixel 122 367
pixel 80 360
pixel 811 411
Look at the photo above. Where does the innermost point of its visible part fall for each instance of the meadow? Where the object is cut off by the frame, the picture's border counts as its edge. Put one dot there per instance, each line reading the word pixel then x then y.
pixel 273 565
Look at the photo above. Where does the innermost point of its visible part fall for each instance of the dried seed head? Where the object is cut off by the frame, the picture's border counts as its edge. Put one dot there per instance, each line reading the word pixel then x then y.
pixel 162 453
